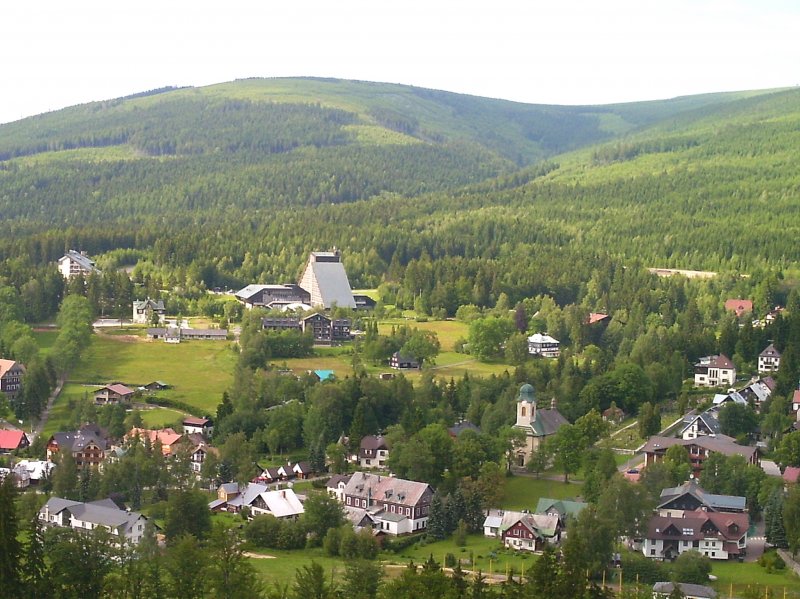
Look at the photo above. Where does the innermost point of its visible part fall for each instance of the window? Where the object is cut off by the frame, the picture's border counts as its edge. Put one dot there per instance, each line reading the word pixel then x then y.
pixel 523 411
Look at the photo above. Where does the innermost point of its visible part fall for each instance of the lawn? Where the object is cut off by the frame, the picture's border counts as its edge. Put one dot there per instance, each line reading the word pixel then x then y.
pixel 448 331
pixel 161 417
pixel 480 553
pixel 197 371
pixel 45 340
pixel 523 492
pixel 743 575
pixel 281 568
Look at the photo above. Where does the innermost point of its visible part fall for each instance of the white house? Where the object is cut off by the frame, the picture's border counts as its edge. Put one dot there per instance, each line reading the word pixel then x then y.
pixel 125 525
pixel 542 344
pixel 714 371
pixel 143 311
pixel 717 535
pixel 769 360
pixel 75 263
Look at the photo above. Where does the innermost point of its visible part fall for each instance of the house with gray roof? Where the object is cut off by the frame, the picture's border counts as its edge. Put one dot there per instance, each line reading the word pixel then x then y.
pixel 75 263
pixel 698 449
pixel 690 497
pixel 125 525
pixel 522 530
pixel 564 509
pixel 662 590
pixel 706 423
pixel 398 506
pixel 143 311
pixel 537 423
pixel 769 360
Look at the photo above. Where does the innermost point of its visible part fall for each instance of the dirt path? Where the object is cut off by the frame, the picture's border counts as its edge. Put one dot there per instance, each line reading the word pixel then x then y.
pixel 37 430
pixel 257 555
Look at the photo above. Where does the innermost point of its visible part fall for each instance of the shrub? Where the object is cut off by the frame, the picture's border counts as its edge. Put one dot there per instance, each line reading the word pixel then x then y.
pixel 450 561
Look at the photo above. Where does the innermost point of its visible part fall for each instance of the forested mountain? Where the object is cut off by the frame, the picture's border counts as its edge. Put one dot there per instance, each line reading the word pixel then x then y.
pixel 234 183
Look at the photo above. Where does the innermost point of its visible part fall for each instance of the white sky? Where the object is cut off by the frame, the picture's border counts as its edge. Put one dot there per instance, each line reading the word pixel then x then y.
pixel 56 53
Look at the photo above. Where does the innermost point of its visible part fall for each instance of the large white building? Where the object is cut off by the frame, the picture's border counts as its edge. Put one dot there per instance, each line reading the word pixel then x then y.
pixel 714 371
pixel 125 525
pixel 75 263
pixel 542 344
pixel 326 280
pixel 717 535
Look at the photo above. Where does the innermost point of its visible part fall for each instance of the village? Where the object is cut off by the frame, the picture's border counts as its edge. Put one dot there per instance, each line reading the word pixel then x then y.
pixel 361 475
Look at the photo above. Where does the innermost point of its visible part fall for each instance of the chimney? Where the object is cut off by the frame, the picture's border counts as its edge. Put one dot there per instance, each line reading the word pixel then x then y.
pixel 283 494
pixel 553 403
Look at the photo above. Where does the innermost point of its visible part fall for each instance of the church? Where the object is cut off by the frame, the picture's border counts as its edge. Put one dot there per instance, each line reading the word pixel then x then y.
pixel 537 423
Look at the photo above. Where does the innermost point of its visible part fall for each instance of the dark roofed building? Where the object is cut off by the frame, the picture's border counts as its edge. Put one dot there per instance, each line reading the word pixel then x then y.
pixel 373 451
pixel 88 445
pixel 459 427
pixel 537 423
pixel 769 360
pixel 272 296
pixel 690 496
pixel 699 449
pixel 401 362
pixel 716 535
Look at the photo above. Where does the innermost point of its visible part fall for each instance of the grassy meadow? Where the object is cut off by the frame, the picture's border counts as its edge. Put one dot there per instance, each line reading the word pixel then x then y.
pixel 523 492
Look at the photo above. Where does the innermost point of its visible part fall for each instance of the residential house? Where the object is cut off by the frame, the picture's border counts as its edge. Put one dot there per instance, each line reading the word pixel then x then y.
pixel 88 445
pixel 75 263
pixel 336 485
pixel 34 471
pixel 373 452
pixel 698 448
pixel 155 386
pixel 537 423
pixel 176 335
pixel 11 373
pixel 740 307
pixel 302 470
pixel 542 344
pixel 758 391
pixel 664 590
pixel 272 296
pixel 691 497
pixel 769 360
pixel 126 526
pixel 530 532
pixel 166 437
pixel 563 509
pixel 462 426
pixel 399 361
pixel 731 396
pixel 327 330
pixel 791 475
pixel 717 535
pixel 613 414
pixel 231 497
pixel 113 394
pixel 12 440
pixel 325 279
pixel 143 311
pixel 268 475
pixel 706 423
pixel 398 506
pixel 20 479
pixel 714 371
pixel 201 426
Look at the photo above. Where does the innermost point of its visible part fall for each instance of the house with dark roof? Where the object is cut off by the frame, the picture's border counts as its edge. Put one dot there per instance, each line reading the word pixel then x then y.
pixel 769 360
pixel 88 445
pixel 691 497
pixel 11 373
pixel 325 279
pixel 124 525
pixel 373 452
pixel 543 345
pixel 75 263
pixel 695 425
pixel 272 296
pixel 460 427
pixel 717 535
pixel 537 423
pixel 201 426
pixel 398 506
pixel 698 449
pixel 113 394
pixel 714 371
pixel 143 311
pixel 400 361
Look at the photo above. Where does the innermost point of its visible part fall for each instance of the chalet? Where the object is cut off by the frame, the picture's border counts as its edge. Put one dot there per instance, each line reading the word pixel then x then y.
pixel 272 296
pixel 696 425
pixel 699 449
pixel 201 426
pixel 364 302
pixel 720 399
pixel 717 535
pixel 664 590
pixel 113 394
pixel 12 440
pixel 143 311
pixel 713 371
pixel 327 330
pixel 690 497
pixel 769 360
pixel 529 532
pixel 155 386
pixel 336 485
pixel 740 307
pixel 538 424
pixel 268 475
pixel 198 456
pixel 325 279
pixel 543 345
pixel 231 497
pixel 75 263
pixel 125 525
pixel 758 391
pixel 11 373
pixel 88 445
pixel 398 506
pixel 373 451
pixel 563 509
pixel 34 471
pixel 399 361
pixel 613 414
pixel 166 437
pixel 302 470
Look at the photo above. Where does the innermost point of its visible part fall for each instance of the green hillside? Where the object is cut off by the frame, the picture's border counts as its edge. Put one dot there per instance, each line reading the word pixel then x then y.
pixel 235 182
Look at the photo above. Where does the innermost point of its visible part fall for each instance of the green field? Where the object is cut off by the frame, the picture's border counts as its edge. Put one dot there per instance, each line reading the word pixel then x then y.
pixel 523 492
pixel 161 417
pixel 448 331
pixel 281 566
pixel 744 575
pixel 45 339
pixel 197 371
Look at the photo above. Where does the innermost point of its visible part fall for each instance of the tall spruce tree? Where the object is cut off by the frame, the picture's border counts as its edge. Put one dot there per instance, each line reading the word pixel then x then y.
pixel 34 571
pixel 10 548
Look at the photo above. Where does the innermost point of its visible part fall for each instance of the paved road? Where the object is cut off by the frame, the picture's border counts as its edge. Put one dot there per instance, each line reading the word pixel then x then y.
pixel 755 544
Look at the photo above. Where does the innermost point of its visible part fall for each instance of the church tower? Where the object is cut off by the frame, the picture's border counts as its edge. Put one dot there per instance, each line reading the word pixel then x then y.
pixel 526 406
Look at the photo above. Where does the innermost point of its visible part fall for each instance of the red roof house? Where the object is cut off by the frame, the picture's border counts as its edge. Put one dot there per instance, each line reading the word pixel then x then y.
pixel 11 440
pixel 739 306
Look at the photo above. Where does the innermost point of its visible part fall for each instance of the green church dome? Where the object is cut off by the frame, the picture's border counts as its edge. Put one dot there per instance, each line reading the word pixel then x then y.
pixel 526 393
